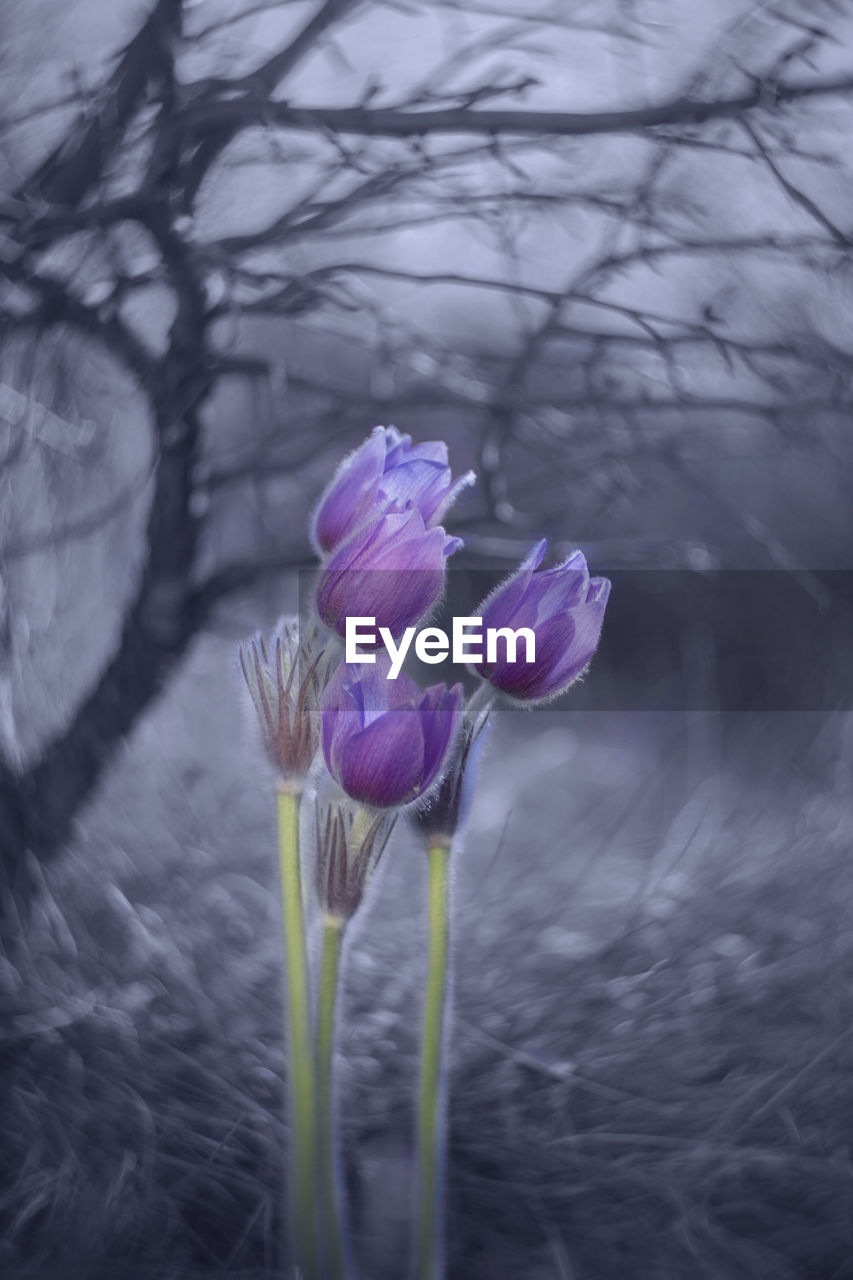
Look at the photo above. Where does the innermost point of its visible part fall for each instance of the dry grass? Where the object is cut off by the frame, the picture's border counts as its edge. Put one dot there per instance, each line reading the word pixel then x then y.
pixel 653 1041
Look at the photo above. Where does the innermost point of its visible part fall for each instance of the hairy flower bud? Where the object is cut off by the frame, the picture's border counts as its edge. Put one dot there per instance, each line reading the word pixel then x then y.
pixel 350 841
pixel 564 608
pixel 445 811
pixel 385 741
pixel 284 673
pixel 391 570
pixel 387 473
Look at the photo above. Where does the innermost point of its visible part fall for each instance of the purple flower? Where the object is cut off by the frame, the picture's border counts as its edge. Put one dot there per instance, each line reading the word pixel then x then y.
pixel 564 608
pixel 387 473
pixel 391 570
pixel 385 741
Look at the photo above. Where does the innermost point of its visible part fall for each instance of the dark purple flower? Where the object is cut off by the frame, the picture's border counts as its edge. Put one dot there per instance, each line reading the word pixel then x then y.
pixel 385 741
pixel 391 570
pixel 387 473
pixel 564 608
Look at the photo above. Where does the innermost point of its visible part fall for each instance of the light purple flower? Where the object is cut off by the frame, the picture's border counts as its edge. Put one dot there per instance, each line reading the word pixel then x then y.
pixel 564 607
pixel 387 473
pixel 385 741
pixel 391 570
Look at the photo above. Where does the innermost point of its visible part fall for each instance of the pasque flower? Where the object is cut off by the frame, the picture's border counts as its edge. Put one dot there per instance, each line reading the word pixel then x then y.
pixel 350 841
pixel 284 673
pixel 444 812
pixel 564 608
pixel 385 741
pixel 391 570
pixel 386 473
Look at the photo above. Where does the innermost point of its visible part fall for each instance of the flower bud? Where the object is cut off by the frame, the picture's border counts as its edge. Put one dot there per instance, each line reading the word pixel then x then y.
pixel 385 741
pixel 350 841
pixel 285 677
pixel 563 607
pixel 445 811
pixel 391 570
pixel 387 473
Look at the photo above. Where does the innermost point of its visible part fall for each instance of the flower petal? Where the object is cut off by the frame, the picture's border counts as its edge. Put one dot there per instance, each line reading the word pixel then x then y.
pixel 464 482
pixel 397 446
pixel 341 716
pixel 383 765
pixel 553 593
pixel 368 683
pixel 430 451
pixel 499 609
pixel 599 591
pixel 439 710
pixel 350 494
pixel 419 481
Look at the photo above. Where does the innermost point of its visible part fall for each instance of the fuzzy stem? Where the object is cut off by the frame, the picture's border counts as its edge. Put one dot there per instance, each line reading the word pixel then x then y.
pixel 303 1172
pixel 431 1120
pixel 331 1216
pixel 480 701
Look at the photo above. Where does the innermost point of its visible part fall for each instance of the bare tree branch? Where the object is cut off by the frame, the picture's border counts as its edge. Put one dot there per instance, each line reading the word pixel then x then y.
pixel 208 119
pixel 799 197
pixel 265 79
pixel 73 168
pixel 592 370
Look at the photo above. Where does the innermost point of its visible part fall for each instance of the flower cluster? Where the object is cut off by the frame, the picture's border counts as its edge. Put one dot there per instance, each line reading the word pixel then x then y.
pixel 346 722
pixel 387 744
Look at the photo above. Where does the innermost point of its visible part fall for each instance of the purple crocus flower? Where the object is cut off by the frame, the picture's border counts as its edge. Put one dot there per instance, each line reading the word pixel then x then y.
pixel 387 473
pixel 564 608
pixel 385 741
pixel 391 570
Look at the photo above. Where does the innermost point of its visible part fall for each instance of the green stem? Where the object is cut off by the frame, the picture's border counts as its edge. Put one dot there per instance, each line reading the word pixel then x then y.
pixel 331 1218
pixel 303 1175
pixel 431 1109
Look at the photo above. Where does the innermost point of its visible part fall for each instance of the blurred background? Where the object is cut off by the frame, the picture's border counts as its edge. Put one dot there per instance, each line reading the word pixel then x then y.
pixel 604 250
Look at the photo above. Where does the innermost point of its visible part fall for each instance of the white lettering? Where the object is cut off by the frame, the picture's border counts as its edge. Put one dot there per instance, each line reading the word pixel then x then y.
pixel 397 653
pixel 354 637
pixel 511 638
pixel 461 640
pixel 432 644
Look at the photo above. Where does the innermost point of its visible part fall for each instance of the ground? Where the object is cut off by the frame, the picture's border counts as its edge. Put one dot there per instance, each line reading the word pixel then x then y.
pixel 652 1042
